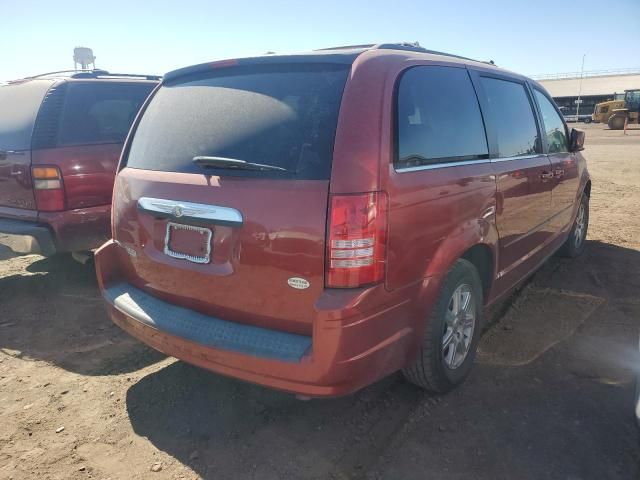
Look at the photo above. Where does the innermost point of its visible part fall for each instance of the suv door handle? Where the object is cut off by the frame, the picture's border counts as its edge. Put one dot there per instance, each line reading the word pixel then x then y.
pixel 546 175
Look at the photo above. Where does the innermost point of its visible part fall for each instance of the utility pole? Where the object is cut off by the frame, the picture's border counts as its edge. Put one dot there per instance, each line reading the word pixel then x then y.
pixel 580 90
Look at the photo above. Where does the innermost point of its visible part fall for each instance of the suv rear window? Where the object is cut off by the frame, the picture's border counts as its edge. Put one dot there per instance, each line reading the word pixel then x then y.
pixel 100 112
pixel 282 116
pixel 19 105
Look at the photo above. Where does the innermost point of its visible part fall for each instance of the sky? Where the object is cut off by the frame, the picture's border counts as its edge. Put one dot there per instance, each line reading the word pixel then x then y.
pixel 129 36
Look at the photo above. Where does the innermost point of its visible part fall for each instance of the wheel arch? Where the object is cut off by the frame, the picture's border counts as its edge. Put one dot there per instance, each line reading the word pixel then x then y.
pixel 482 258
pixel 477 245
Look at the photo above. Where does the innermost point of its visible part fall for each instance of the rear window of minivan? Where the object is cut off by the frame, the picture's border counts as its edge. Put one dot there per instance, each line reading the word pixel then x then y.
pixel 277 115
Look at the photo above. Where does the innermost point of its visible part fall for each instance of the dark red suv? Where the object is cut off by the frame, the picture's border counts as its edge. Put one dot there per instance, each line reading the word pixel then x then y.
pixel 61 135
pixel 315 222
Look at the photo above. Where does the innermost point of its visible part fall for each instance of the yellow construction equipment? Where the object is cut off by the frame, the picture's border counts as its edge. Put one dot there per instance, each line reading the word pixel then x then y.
pixel 624 108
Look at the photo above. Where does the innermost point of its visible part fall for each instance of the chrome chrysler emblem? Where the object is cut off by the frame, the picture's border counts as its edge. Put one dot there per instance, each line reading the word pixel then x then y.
pixel 178 211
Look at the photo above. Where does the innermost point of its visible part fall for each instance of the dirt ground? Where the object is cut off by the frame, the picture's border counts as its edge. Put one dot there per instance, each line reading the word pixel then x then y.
pixel 551 396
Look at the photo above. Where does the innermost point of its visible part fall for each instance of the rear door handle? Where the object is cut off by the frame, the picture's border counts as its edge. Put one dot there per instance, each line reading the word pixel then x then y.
pixel 559 172
pixel 546 175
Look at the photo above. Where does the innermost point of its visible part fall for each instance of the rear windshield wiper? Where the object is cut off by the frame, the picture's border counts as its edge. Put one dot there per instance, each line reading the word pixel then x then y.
pixel 223 162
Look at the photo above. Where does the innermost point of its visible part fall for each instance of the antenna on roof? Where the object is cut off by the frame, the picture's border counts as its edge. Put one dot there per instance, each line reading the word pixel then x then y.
pixel 84 57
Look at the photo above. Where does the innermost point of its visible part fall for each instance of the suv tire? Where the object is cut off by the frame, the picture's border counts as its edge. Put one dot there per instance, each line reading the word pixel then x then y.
pixel 436 368
pixel 575 243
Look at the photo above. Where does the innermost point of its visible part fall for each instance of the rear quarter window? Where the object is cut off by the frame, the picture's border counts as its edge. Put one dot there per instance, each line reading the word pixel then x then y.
pixel 100 112
pixel 282 116
pixel 438 118
pixel 19 105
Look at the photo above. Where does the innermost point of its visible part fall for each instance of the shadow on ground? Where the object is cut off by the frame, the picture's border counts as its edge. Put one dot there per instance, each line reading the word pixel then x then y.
pixel 50 310
pixel 564 414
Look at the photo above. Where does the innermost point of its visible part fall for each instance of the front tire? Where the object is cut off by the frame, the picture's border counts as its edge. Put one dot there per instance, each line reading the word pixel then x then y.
pixel 575 244
pixel 451 333
pixel 587 120
pixel 616 122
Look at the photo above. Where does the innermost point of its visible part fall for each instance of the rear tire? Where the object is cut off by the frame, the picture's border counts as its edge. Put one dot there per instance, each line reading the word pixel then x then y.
pixel 451 333
pixel 587 120
pixel 616 122
pixel 575 244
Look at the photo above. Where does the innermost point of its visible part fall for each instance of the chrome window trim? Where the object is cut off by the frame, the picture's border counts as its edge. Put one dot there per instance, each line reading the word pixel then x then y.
pixel 199 212
pixel 521 157
pixel 433 166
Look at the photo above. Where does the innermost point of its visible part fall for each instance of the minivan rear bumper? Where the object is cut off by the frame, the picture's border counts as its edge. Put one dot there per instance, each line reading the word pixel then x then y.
pixel 359 335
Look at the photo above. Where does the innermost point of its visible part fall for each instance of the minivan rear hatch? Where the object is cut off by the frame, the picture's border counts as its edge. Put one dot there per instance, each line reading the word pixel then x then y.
pixel 221 200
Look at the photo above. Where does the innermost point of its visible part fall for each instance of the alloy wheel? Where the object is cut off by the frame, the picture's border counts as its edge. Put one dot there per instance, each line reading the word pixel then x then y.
pixel 460 321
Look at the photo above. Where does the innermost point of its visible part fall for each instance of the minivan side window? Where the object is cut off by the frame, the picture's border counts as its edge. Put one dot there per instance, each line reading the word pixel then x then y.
pixel 100 112
pixel 553 125
pixel 438 118
pixel 511 115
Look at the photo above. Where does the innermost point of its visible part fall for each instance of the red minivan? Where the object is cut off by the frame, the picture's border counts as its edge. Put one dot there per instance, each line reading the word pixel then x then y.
pixel 60 140
pixel 315 222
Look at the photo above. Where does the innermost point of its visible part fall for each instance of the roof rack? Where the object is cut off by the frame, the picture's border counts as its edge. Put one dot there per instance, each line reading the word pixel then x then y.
pixel 406 46
pixel 96 73
pixel 348 47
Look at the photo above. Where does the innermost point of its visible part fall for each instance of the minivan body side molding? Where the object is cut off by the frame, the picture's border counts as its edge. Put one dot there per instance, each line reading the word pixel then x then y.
pixel 199 212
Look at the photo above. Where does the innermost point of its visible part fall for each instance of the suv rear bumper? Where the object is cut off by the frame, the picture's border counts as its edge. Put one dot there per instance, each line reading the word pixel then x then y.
pixel 54 232
pixel 359 335
pixel 26 237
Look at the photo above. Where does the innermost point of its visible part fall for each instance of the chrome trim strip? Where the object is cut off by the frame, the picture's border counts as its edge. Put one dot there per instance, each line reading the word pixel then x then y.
pixel 433 166
pixel 522 157
pixel 198 212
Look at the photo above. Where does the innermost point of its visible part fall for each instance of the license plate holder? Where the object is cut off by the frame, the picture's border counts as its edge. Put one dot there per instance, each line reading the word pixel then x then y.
pixel 172 251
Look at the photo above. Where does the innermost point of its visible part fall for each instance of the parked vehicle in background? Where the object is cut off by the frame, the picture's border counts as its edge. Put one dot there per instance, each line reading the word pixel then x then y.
pixel 61 135
pixel 620 110
pixel 315 222
pixel 569 117
pixel 586 118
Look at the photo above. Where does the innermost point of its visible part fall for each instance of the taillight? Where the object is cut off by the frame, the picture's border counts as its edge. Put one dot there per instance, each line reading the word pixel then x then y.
pixel 48 188
pixel 357 239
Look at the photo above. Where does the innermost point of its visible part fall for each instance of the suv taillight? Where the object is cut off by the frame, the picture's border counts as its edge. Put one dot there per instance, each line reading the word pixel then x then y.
pixel 357 239
pixel 48 188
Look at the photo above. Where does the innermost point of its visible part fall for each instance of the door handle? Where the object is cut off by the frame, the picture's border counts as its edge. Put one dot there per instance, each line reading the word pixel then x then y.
pixel 546 175
pixel 559 172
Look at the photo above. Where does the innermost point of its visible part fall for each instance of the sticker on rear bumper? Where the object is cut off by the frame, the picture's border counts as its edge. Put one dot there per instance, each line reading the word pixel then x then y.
pixel 299 283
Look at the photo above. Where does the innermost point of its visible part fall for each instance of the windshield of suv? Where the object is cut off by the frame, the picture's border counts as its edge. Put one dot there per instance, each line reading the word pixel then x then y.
pixel 281 116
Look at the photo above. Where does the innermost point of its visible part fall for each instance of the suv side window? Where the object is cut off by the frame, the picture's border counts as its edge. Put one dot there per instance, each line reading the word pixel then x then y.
pixel 438 118
pixel 511 115
pixel 19 104
pixel 100 112
pixel 553 125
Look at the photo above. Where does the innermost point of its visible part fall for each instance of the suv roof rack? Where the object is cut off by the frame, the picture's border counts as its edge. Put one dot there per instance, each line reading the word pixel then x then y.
pixel 95 73
pixel 406 46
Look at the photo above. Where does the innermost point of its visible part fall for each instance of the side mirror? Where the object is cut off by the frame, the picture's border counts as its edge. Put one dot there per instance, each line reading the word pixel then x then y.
pixel 576 142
